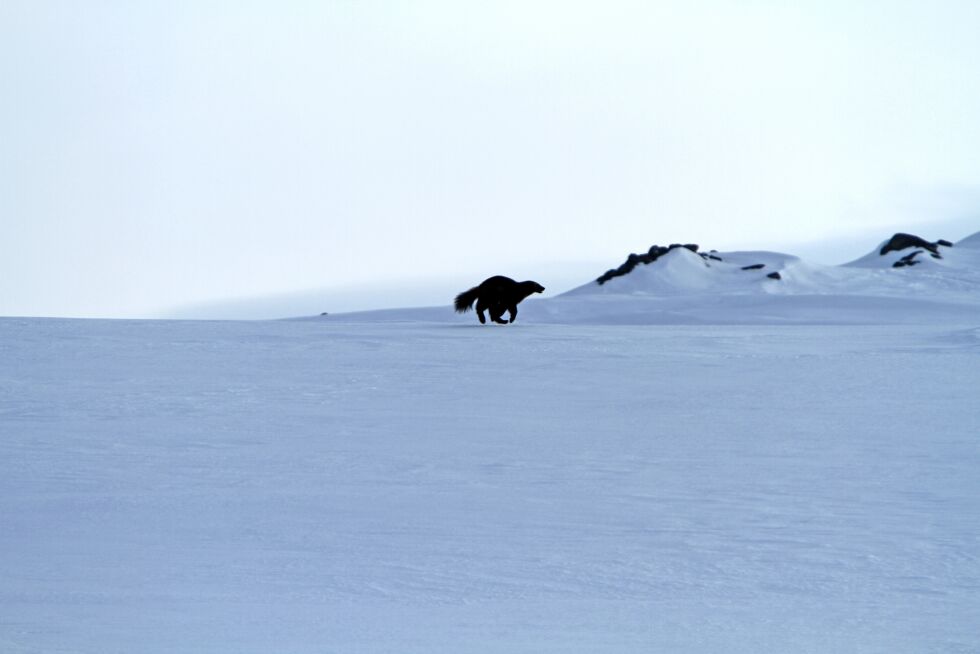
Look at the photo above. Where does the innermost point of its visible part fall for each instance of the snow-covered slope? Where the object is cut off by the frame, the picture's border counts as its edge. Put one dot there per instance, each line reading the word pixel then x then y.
pixel 683 272
pixel 970 242
pixel 944 273
pixel 311 487
pixel 686 287
pixel 692 457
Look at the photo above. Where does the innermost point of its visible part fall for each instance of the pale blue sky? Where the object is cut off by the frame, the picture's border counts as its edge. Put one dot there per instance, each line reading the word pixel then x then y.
pixel 161 154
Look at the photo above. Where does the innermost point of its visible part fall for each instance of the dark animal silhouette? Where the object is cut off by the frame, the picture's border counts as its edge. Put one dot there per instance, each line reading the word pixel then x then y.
pixel 496 295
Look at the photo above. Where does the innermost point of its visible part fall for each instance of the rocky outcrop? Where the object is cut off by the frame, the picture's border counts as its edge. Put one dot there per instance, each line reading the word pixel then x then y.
pixel 651 255
pixel 901 241
pixel 657 251
pixel 908 260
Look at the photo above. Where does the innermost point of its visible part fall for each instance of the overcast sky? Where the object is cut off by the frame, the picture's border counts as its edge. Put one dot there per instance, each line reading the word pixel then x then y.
pixel 162 154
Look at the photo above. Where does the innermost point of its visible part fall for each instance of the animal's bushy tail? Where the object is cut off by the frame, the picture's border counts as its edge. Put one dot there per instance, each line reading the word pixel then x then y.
pixel 464 301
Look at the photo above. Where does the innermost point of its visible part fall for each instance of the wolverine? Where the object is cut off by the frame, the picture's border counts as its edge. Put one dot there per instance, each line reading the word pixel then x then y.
pixel 496 295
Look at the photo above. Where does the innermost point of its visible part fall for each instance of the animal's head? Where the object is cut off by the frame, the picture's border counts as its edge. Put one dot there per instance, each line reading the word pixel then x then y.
pixel 534 287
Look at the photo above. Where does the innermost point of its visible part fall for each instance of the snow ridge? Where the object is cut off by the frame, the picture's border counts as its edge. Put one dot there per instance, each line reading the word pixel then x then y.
pixel 682 285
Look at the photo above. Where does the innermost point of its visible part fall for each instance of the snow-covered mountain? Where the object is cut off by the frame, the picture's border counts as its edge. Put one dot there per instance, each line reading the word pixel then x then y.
pixel 953 272
pixel 896 282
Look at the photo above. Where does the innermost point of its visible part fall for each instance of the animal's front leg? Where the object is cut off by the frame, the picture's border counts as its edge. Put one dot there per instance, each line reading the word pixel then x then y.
pixel 513 313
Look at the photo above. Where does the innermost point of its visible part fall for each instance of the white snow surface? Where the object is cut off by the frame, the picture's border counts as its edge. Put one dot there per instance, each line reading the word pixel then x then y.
pixel 681 287
pixel 731 466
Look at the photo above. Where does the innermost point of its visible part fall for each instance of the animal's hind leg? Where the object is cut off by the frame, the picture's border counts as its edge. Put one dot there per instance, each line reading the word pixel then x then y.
pixel 497 314
pixel 480 308
pixel 513 312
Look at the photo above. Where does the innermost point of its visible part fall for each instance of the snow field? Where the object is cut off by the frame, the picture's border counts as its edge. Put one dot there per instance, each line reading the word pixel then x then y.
pixel 420 486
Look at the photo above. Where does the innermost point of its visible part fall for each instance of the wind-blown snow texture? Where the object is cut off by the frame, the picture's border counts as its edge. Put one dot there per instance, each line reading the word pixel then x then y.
pixel 352 484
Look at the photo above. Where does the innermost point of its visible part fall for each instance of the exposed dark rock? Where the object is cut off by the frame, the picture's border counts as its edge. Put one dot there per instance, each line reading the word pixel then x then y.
pixel 651 255
pixel 897 242
pixel 909 260
pixel 902 241
pixel 606 276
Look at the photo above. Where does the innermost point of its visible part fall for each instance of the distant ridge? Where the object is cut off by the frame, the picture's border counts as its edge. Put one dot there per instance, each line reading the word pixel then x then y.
pixel 897 243
pixel 905 279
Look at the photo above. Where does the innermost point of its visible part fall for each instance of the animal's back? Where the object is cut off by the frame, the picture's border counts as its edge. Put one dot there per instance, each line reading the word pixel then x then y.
pixel 497 282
